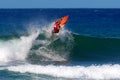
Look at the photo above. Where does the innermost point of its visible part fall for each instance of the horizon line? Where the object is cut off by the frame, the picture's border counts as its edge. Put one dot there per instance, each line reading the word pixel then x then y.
pixel 59 8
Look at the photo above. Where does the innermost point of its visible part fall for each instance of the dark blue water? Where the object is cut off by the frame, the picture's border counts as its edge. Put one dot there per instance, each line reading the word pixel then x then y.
pixel 95 22
pixel 89 44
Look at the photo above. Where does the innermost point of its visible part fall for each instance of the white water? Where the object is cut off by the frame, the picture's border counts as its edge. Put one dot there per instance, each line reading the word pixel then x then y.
pixel 16 49
pixel 48 54
pixel 78 72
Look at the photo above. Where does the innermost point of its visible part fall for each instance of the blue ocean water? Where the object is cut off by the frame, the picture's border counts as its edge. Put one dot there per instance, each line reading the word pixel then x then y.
pixel 86 48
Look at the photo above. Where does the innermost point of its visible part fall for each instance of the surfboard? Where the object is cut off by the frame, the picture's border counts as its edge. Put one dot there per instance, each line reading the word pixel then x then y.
pixel 59 24
pixel 63 21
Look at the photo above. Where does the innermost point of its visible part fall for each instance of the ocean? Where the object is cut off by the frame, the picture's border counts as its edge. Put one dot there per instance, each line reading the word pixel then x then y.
pixel 87 48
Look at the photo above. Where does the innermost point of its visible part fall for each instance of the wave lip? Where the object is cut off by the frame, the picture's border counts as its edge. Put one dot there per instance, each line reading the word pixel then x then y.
pixel 16 49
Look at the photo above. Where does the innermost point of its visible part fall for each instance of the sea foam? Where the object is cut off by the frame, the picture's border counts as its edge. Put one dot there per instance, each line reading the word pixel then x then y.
pixel 16 49
pixel 76 72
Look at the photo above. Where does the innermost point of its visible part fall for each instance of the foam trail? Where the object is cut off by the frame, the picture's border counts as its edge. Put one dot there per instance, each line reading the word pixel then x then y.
pixel 78 72
pixel 16 49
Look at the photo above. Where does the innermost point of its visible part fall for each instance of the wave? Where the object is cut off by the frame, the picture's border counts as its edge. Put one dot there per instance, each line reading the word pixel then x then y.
pixel 85 48
pixel 39 45
pixel 31 46
pixel 70 72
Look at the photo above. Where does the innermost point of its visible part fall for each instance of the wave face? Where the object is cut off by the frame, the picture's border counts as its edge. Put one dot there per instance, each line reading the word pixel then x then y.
pixel 84 48
pixel 95 49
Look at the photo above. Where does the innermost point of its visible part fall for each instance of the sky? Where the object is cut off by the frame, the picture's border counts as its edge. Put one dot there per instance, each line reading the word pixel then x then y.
pixel 59 3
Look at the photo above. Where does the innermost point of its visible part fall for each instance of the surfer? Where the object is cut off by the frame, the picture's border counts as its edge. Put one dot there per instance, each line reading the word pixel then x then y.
pixel 59 24
pixel 57 27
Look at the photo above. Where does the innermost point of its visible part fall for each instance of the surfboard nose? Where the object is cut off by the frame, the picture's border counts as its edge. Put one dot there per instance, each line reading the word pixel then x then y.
pixel 64 20
pixel 67 16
